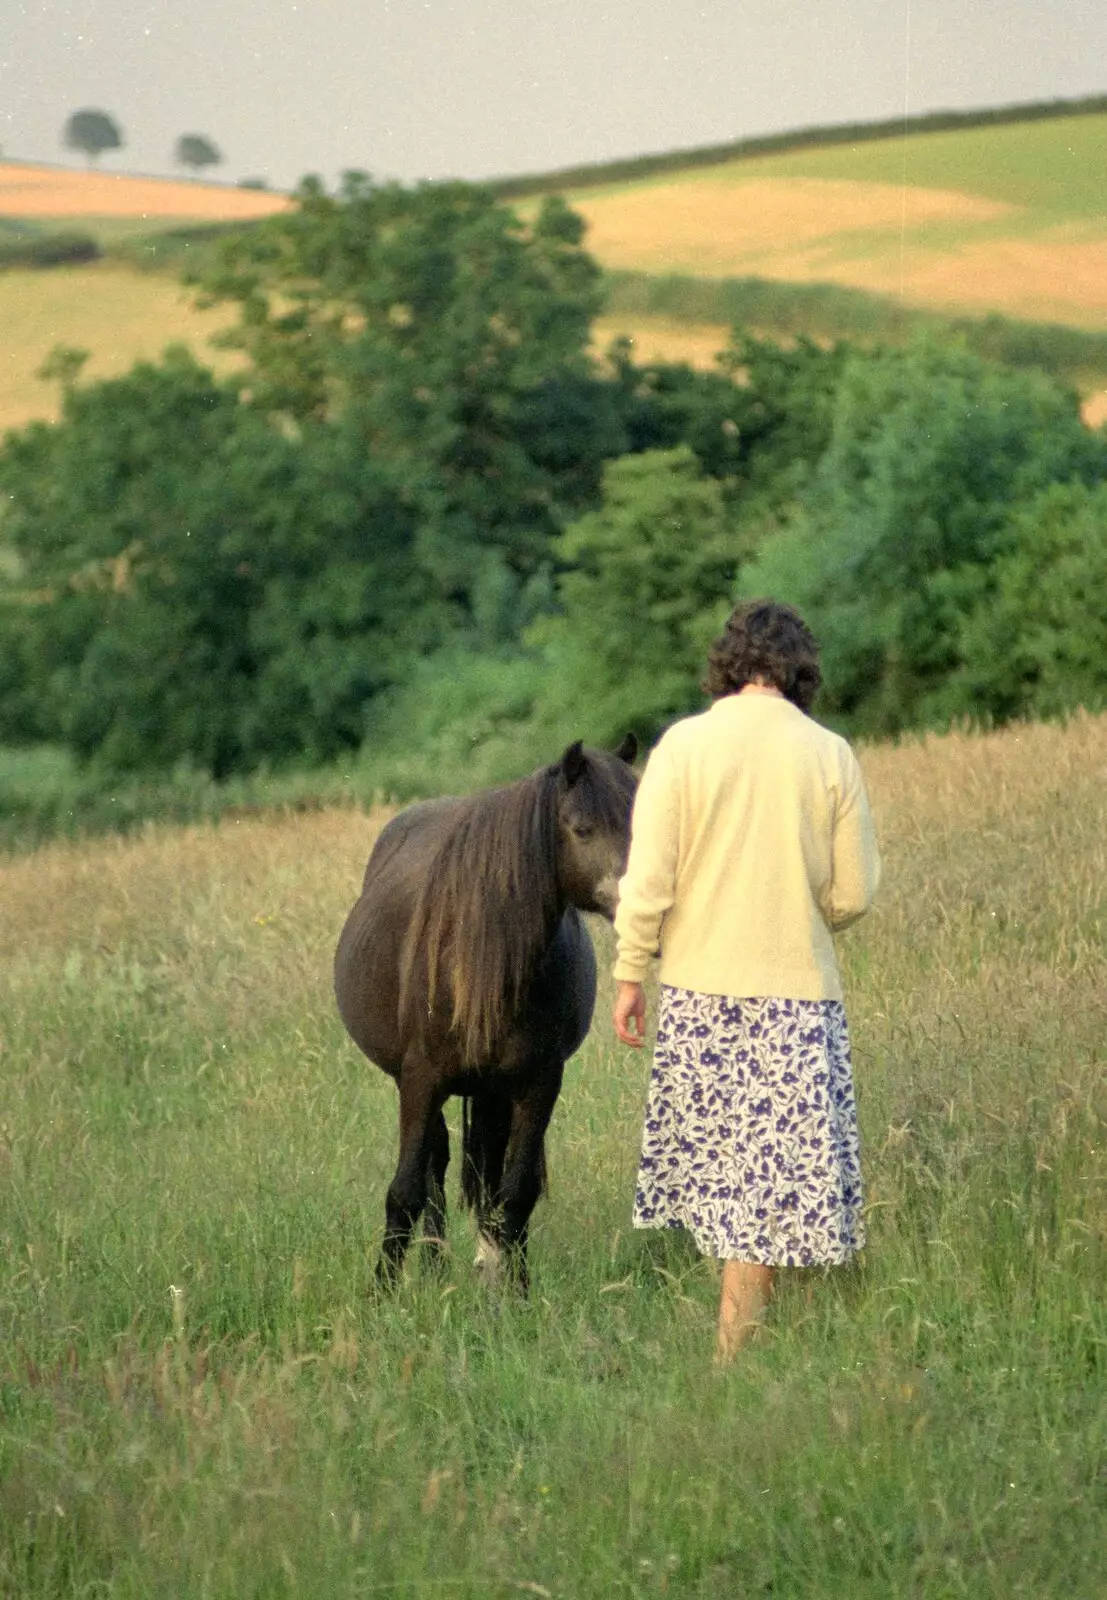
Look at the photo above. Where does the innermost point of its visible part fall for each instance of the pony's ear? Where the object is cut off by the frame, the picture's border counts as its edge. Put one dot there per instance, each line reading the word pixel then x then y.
pixel 573 762
pixel 627 748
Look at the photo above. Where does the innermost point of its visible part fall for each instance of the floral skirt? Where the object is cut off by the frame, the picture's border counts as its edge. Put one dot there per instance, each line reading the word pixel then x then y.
pixel 750 1141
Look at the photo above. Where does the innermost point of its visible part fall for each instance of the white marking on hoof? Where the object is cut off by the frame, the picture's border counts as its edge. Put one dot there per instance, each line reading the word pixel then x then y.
pixel 489 1260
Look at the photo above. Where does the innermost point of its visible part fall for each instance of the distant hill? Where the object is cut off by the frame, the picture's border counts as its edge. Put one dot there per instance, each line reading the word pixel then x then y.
pixel 992 223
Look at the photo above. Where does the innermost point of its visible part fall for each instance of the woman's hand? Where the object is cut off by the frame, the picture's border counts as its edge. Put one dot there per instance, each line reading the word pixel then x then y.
pixel 630 1014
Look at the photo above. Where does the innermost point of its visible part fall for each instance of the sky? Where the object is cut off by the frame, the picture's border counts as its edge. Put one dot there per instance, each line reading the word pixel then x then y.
pixel 414 89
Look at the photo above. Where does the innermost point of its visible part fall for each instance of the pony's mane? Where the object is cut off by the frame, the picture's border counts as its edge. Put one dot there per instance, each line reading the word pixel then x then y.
pixel 483 915
pixel 487 907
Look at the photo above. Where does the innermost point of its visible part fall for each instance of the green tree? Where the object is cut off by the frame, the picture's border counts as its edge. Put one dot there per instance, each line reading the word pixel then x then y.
pixel 645 588
pixel 893 543
pixel 92 132
pixel 192 585
pixel 452 337
pixel 757 422
pixel 1036 645
pixel 196 151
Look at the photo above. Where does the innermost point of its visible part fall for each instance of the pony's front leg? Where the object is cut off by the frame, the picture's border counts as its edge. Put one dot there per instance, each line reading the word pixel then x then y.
pixel 488 1126
pixel 434 1217
pixel 525 1169
pixel 420 1100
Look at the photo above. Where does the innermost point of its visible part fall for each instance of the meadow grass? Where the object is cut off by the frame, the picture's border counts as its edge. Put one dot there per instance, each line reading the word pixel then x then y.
pixel 199 1398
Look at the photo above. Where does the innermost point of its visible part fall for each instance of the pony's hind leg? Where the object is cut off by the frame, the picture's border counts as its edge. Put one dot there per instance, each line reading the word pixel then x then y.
pixel 438 1159
pixel 420 1101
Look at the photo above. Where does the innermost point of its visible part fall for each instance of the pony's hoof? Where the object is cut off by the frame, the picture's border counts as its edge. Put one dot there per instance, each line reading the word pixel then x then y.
pixel 489 1261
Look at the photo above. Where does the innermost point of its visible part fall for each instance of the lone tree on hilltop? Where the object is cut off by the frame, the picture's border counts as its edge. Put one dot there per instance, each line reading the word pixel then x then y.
pixel 195 151
pixel 92 132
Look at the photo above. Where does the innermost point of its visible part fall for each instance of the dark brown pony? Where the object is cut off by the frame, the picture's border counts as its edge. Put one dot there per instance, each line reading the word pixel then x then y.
pixel 465 968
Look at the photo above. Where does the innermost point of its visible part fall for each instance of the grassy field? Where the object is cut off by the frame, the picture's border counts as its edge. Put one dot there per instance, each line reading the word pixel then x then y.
pixel 1006 219
pixel 197 1398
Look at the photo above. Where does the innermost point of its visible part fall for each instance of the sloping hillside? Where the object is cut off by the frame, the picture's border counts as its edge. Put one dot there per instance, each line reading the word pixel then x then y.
pixel 59 194
pixel 1010 219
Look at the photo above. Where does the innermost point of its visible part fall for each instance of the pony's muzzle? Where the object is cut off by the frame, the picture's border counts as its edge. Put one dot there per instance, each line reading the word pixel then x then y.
pixel 606 896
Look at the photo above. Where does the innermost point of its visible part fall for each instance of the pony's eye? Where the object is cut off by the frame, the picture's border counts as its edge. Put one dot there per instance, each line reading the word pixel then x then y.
pixel 581 830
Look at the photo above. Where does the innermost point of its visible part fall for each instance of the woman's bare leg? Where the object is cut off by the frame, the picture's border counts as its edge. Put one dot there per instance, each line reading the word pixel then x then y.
pixel 747 1289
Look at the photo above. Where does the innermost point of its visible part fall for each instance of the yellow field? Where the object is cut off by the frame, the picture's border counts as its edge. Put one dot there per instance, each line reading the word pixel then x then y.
pixel 663 339
pixel 56 193
pixel 864 236
pixel 121 316
pixel 717 227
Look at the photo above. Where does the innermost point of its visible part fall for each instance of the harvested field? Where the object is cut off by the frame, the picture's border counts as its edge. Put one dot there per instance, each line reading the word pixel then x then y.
pixel 1042 279
pixel 720 228
pixel 1095 408
pixel 118 314
pixel 934 248
pixel 1005 219
pixel 56 193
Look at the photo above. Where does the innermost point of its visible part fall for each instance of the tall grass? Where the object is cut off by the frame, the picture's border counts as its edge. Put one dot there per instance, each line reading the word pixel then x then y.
pixel 197 1396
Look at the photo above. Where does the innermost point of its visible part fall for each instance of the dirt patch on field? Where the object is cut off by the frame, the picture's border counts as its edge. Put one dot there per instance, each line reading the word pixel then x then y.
pixel 33 192
pixel 720 228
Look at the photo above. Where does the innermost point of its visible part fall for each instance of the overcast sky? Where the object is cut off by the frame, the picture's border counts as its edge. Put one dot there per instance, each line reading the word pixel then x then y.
pixel 478 88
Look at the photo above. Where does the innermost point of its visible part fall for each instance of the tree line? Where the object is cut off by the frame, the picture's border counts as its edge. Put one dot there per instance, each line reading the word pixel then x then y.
pixel 425 528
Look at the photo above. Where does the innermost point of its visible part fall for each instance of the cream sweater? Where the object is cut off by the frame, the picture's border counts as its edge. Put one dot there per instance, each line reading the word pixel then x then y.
pixel 751 841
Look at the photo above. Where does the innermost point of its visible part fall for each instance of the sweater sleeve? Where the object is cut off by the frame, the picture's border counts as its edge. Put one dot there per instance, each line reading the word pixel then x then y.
pixel 648 886
pixel 855 872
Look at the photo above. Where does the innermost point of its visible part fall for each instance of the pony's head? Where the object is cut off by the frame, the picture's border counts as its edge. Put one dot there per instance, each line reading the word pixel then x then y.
pixel 595 792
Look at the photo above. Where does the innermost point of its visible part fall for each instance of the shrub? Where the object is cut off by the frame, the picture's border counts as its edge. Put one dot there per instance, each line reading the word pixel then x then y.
pixel 66 248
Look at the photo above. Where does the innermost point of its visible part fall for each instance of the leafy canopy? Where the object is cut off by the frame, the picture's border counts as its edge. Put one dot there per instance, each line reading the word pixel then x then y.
pixel 197 151
pixel 92 132
pixel 893 541
pixel 643 592
pixel 452 338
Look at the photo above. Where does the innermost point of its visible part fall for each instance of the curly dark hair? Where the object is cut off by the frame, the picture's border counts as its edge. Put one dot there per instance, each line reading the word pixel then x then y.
pixel 767 642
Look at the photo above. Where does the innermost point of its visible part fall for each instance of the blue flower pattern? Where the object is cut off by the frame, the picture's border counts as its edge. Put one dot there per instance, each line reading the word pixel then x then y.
pixel 750 1139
